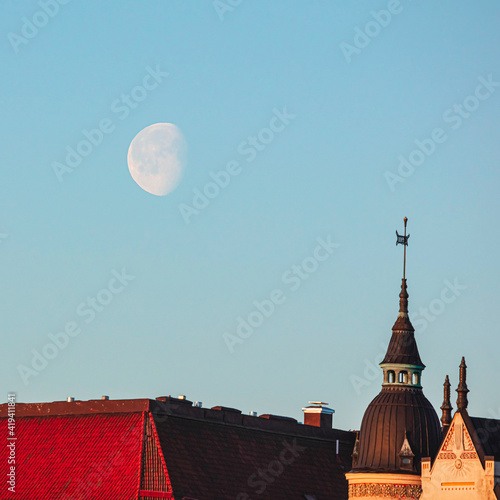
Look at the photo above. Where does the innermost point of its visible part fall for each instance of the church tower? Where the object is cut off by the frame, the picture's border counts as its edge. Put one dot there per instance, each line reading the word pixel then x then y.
pixel 400 426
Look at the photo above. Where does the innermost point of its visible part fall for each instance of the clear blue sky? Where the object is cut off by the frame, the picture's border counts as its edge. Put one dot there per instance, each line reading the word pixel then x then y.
pixel 327 173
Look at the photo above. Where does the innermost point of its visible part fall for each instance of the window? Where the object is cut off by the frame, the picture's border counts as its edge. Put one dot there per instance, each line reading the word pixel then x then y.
pixel 403 377
pixel 391 377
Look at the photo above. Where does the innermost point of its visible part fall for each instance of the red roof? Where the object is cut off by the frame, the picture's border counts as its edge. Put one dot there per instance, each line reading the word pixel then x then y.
pixel 146 449
pixel 76 457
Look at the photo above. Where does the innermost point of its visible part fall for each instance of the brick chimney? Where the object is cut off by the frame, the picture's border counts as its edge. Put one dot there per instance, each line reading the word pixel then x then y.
pixel 318 415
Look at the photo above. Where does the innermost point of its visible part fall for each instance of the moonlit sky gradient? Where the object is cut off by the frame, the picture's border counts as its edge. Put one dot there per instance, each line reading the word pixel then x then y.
pixel 323 175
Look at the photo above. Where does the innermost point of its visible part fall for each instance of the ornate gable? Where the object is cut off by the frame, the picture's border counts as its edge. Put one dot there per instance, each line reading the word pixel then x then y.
pixel 457 469
pixel 458 445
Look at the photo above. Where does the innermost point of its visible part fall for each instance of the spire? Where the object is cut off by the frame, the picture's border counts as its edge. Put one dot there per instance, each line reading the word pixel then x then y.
pixel 462 390
pixel 403 299
pixel 446 407
pixel 402 347
pixel 403 322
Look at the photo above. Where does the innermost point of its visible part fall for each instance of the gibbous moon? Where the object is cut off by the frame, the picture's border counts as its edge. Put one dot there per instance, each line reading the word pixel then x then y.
pixel 156 158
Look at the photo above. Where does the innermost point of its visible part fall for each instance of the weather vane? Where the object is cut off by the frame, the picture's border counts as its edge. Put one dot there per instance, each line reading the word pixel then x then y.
pixel 403 240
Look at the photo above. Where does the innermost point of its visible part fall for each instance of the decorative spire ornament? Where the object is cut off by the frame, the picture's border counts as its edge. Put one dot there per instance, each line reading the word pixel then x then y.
pixel 462 389
pixel 402 347
pixel 446 407
pixel 403 296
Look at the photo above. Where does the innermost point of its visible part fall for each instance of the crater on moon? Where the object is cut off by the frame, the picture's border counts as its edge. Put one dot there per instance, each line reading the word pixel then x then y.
pixel 157 157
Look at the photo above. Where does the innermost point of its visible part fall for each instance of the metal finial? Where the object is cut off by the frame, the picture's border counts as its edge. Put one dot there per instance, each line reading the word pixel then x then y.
pixel 403 240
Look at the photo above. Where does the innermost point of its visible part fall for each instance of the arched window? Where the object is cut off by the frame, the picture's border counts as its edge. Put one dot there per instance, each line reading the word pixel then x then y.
pixel 403 377
pixel 416 378
pixel 391 377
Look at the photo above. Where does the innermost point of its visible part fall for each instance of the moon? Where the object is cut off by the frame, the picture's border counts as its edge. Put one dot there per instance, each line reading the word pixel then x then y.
pixel 157 157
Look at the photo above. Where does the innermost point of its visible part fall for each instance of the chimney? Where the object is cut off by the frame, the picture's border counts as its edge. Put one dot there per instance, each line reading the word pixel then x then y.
pixel 318 415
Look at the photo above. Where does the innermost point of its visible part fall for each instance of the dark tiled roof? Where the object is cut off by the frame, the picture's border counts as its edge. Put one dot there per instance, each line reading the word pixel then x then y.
pixel 95 449
pixel 486 432
pixel 208 460
pixel 394 413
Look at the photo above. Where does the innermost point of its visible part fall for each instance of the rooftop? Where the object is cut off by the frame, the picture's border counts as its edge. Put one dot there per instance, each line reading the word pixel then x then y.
pixel 168 448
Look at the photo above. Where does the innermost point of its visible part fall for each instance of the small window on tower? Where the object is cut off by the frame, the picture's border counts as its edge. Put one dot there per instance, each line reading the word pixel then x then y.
pixel 391 377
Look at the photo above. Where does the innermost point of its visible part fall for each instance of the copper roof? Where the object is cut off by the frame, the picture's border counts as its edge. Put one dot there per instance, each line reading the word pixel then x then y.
pixel 402 347
pixel 395 413
pixel 403 350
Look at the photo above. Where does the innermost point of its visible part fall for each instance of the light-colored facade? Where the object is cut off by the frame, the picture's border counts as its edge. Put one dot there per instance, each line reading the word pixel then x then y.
pixel 461 471
pixel 384 486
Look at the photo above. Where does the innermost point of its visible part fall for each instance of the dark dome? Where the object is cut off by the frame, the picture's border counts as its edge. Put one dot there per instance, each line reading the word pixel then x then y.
pixel 394 414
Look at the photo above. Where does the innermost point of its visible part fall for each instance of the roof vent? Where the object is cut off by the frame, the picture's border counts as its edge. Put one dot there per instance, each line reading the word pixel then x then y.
pixel 181 400
pixel 318 415
pixel 70 399
pixel 225 408
pixel 253 413
pixel 280 418
pixel 104 398
pixel 182 396
pixel 198 404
